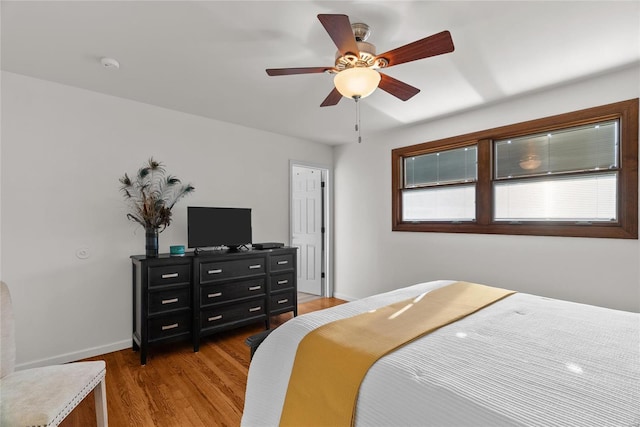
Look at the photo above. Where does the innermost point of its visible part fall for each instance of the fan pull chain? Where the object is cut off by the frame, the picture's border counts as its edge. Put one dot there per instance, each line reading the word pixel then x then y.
pixel 356 98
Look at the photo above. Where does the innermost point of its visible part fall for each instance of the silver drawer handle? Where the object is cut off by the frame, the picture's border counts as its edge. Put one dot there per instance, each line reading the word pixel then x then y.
pixel 217 294
pixel 164 328
pixel 218 317
pixel 219 270
pixel 255 288
pixel 169 301
pixel 283 282
pixel 254 266
pixel 283 262
pixel 282 301
pixel 169 275
pixel 254 309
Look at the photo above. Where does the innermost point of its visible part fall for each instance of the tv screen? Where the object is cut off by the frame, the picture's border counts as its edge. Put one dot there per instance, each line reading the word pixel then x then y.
pixel 207 227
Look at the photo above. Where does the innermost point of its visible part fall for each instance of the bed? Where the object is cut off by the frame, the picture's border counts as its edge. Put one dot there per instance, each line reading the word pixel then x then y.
pixel 525 360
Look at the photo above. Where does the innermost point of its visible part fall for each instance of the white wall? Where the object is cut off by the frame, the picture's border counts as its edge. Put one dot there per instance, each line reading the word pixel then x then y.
pixel 370 258
pixel 63 150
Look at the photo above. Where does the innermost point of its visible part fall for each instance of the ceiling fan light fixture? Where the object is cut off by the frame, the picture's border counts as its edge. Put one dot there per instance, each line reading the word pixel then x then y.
pixel 357 82
pixel 356 56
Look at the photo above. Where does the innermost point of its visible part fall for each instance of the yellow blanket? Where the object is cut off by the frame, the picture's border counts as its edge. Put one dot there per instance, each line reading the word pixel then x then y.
pixel 332 360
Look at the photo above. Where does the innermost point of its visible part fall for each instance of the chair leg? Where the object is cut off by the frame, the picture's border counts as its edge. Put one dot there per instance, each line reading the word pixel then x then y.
pixel 100 393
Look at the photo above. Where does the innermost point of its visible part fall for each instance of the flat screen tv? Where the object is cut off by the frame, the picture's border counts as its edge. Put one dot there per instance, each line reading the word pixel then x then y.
pixel 212 227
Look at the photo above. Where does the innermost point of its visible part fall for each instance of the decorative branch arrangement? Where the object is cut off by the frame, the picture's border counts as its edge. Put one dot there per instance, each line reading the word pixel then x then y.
pixel 152 194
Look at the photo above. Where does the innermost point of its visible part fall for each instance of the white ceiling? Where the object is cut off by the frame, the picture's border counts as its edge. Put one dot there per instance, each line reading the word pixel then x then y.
pixel 209 58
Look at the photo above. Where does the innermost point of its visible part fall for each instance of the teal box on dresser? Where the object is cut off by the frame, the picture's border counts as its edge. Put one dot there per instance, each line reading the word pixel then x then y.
pixel 176 250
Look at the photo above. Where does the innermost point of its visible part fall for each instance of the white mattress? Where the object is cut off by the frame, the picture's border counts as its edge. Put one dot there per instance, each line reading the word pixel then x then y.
pixel 525 360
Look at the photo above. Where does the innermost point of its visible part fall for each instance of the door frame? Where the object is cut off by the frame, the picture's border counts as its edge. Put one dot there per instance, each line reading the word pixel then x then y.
pixel 327 213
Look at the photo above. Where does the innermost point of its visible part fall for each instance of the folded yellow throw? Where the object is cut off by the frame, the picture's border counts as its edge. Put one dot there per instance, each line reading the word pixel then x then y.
pixel 332 360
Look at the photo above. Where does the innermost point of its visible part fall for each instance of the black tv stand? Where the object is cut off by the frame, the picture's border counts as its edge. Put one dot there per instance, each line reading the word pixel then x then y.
pixel 240 248
pixel 204 251
pixel 229 249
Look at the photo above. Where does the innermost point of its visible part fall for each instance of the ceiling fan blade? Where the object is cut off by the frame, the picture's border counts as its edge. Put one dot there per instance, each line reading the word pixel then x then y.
pixel 333 98
pixel 339 29
pixel 436 44
pixel 290 71
pixel 397 88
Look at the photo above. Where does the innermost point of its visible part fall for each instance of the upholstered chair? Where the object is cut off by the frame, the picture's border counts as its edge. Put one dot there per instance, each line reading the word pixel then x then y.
pixel 43 396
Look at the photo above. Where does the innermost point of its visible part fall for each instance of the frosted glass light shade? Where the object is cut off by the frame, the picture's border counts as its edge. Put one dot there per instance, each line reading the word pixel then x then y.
pixel 530 162
pixel 357 82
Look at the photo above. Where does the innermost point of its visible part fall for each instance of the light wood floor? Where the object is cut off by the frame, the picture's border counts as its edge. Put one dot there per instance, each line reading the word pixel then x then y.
pixel 178 387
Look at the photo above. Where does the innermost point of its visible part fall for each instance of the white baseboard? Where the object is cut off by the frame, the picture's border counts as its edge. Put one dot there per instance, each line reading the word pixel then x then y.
pixel 344 297
pixel 75 356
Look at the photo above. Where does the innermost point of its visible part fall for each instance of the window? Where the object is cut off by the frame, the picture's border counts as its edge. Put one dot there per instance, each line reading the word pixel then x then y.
pixel 566 175
pixel 440 185
pixel 569 175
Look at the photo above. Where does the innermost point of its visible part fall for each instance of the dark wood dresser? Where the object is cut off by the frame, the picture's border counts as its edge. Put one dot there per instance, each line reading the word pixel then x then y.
pixel 192 296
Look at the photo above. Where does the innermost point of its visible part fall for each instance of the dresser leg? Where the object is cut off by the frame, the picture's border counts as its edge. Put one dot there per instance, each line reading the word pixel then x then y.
pixel 143 355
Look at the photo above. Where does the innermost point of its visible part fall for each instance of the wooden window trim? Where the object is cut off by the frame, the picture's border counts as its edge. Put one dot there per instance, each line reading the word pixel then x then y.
pixel 625 228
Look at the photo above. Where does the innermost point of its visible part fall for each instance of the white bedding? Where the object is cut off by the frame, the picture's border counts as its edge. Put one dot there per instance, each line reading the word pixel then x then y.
pixel 525 360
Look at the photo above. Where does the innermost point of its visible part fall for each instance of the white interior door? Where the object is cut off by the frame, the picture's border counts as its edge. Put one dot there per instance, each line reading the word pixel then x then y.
pixel 307 227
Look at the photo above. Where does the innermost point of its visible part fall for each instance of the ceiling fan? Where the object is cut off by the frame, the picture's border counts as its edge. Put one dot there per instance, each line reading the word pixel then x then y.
pixel 356 66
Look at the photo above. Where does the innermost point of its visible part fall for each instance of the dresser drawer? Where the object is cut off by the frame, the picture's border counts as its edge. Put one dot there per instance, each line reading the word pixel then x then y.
pixel 282 300
pixel 213 294
pixel 281 262
pixel 230 313
pixel 282 281
pixel 169 326
pixel 173 299
pixel 169 274
pixel 217 270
